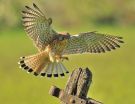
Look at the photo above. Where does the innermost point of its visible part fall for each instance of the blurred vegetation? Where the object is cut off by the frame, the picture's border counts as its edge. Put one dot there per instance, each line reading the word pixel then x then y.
pixel 113 72
pixel 72 12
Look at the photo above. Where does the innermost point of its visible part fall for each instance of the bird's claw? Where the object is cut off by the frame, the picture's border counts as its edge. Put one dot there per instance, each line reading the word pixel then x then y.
pixel 65 58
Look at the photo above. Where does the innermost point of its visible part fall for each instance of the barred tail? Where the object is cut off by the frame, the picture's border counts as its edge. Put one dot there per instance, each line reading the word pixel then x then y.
pixel 54 69
pixel 41 64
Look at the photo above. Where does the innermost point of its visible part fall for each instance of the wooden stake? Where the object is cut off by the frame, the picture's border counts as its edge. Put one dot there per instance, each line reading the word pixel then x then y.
pixel 76 89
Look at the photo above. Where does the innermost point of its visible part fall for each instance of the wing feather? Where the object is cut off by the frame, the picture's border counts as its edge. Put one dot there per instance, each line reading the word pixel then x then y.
pixel 37 27
pixel 91 42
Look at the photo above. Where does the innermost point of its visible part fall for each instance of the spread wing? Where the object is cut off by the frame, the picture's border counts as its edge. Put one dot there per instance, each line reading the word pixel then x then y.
pixel 91 42
pixel 38 27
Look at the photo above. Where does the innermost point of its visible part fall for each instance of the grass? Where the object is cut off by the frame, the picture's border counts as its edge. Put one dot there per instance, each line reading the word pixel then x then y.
pixel 113 72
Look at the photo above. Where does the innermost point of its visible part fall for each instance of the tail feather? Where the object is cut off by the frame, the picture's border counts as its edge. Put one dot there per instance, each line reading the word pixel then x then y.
pixel 45 70
pixel 34 62
pixel 60 71
pixel 49 70
pixel 55 71
pixel 64 68
pixel 40 64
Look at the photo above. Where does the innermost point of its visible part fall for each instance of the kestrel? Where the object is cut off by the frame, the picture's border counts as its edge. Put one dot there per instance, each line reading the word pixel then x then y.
pixel 53 46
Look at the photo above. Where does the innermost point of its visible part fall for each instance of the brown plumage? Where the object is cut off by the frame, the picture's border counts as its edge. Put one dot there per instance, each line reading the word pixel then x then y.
pixel 52 45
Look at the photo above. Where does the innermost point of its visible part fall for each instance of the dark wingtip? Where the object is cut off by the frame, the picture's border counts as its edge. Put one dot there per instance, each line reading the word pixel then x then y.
pixel 113 48
pixel 120 37
pixel 120 41
pixel 35 73
pixel 55 75
pixel 24 12
pixel 43 74
pixel 49 75
pixel 118 46
pixel 27 7
pixel 34 5
pixel 62 74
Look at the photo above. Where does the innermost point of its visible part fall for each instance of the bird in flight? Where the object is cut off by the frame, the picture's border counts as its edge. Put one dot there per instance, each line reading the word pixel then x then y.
pixel 53 46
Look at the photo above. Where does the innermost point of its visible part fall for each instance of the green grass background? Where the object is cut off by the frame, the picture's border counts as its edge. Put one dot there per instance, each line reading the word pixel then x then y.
pixel 113 72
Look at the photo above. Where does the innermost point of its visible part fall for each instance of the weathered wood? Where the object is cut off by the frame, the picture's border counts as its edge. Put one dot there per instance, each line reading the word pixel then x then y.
pixel 66 98
pixel 76 89
pixel 79 82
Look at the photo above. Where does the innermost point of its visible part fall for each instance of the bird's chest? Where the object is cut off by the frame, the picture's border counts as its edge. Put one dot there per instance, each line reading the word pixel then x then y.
pixel 58 47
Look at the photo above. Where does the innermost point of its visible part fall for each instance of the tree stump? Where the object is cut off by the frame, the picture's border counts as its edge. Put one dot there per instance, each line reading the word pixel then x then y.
pixel 76 88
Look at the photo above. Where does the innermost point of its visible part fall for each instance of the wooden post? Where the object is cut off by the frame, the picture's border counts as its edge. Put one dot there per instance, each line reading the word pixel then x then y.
pixel 76 89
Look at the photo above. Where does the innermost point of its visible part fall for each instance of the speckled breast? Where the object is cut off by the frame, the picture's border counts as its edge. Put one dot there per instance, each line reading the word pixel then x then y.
pixel 58 46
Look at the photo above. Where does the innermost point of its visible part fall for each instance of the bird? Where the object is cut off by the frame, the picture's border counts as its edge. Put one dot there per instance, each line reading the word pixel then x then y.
pixel 54 47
